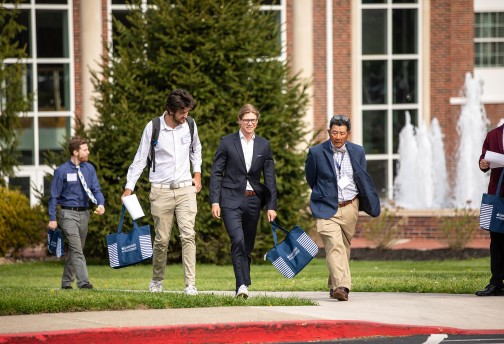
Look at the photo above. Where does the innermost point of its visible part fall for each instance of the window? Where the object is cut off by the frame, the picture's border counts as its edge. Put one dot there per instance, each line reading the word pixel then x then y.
pixel 389 71
pixel 278 8
pixel 119 11
pixel 489 39
pixel 48 75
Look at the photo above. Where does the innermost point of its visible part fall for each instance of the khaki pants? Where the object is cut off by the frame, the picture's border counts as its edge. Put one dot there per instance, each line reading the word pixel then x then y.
pixel 336 234
pixel 165 203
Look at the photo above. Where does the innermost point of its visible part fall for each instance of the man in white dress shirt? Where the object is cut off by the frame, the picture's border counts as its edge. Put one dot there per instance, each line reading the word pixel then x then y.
pixel 237 193
pixel 173 189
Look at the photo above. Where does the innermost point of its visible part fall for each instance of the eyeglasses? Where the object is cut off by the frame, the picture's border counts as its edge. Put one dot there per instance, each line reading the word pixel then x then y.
pixel 249 121
pixel 341 118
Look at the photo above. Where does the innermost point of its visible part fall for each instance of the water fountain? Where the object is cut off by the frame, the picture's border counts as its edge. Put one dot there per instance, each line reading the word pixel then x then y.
pixel 405 185
pixel 439 165
pixel 421 181
pixel 472 127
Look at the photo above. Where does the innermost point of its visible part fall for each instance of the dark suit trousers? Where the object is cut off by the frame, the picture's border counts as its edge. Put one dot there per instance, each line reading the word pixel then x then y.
pixel 241 225
pixel 497 258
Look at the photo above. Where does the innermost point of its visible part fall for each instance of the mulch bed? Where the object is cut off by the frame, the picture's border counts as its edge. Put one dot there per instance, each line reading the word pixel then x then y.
pixel 408 254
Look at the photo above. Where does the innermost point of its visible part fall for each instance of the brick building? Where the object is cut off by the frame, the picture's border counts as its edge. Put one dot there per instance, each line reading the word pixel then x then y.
pixel 371 59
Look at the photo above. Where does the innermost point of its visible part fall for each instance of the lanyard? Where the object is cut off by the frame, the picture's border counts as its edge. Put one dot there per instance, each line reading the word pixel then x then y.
pixel 338 165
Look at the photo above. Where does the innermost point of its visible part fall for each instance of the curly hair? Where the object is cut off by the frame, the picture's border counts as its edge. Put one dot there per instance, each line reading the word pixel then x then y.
pixel 178 100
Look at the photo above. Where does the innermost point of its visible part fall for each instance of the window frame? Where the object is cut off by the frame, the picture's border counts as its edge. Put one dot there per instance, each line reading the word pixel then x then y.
pixel 488 40
pixel 37 170
pixel 389 156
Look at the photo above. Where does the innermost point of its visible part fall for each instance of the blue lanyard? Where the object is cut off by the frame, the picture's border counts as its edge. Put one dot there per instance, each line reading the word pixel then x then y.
pixel 340 163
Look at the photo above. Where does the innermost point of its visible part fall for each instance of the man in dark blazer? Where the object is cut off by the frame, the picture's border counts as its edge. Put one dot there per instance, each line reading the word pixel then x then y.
pixel 237 194
pixel 336 173
pixel 494 143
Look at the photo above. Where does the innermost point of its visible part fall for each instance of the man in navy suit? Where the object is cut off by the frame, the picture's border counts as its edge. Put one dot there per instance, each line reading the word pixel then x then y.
pixel 237 194
pixel 336 173
pixel 494 142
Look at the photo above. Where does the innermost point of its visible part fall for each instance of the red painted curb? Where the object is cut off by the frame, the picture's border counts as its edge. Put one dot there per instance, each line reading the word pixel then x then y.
pixel 253 332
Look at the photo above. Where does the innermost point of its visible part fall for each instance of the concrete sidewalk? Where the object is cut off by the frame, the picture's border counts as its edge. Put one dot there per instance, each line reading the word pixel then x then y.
pixel 366 314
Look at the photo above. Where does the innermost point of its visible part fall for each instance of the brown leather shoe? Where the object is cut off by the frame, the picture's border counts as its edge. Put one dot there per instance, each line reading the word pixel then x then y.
pixel 340 293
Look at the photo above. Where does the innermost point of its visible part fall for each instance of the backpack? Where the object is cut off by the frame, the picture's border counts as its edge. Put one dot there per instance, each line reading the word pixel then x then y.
pixel 156 125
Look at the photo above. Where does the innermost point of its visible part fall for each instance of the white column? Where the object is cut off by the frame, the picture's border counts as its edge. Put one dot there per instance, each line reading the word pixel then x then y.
pixel 356 75
pixel 329 59
pixel 303 51
pixel 91 49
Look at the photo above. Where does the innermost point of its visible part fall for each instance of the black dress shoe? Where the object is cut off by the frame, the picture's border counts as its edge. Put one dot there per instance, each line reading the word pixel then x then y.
pixel 491 290
pixel 66 287
pixel 86 286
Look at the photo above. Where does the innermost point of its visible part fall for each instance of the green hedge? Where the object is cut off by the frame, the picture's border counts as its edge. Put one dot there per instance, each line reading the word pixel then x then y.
pixel 21 226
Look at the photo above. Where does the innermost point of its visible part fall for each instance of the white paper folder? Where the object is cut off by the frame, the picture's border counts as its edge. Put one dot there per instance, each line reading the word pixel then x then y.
pixel 496 160
pixel 133 206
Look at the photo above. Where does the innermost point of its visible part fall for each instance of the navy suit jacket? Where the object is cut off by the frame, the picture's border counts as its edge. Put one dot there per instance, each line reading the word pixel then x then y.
pixel 228 180
pixel 493 142
pixel 323 180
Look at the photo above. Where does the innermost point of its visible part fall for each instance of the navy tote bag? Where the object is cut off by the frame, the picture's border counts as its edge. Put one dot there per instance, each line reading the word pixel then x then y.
pixel 492 210
pixel 293 253
pixel 130 248
pixel 55 243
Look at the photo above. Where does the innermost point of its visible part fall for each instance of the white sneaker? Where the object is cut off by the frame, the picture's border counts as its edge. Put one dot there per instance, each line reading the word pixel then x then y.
pixel 191 290
pixel 156 286
pixel 242 291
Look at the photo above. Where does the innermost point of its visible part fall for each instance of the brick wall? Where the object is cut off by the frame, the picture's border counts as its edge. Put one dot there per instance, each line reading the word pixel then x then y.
pixel 421 227
pixel 342 56
pixel 319 68
pixel 495 112
pixel 452 55
pixel 342 62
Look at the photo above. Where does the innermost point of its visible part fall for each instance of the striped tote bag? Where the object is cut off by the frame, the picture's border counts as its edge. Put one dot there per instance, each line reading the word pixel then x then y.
pixel 130 248
pixel 293 253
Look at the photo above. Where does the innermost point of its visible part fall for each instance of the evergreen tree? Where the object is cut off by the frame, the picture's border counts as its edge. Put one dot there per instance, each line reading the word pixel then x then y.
pixel 222 52
pixel 13 101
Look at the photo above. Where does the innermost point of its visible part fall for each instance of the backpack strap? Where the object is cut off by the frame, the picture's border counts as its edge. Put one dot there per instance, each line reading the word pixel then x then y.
pixel 156 127
pixel 151 159
pixel 190 121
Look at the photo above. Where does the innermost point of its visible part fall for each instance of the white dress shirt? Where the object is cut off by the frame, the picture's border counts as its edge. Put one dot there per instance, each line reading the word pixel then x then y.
pixel 172 155
pixel 344 169
pixel 248 153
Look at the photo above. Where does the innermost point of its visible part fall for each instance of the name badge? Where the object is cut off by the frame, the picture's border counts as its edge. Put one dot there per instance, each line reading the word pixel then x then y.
pixel 343 182
pixel 71 177
pixel 186 139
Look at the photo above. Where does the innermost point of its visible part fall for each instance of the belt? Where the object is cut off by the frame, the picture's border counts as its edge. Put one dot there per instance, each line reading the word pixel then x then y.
pixel 345 203
pixel 74 208
pixel 172 186
pixel 249 193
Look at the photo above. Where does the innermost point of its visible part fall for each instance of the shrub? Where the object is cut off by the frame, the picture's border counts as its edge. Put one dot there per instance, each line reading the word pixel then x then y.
pixel 459 228
pixel 384 229
pixel 20 225
pixel 222 55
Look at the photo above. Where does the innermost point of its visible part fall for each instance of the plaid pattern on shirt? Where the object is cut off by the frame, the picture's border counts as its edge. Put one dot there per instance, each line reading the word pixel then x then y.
pixel 343 159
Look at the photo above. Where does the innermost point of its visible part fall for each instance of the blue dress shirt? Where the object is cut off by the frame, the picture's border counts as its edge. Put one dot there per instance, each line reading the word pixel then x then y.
pixel 67 190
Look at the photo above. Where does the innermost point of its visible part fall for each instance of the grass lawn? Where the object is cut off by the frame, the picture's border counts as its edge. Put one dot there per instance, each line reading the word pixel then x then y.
pixel 27 288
